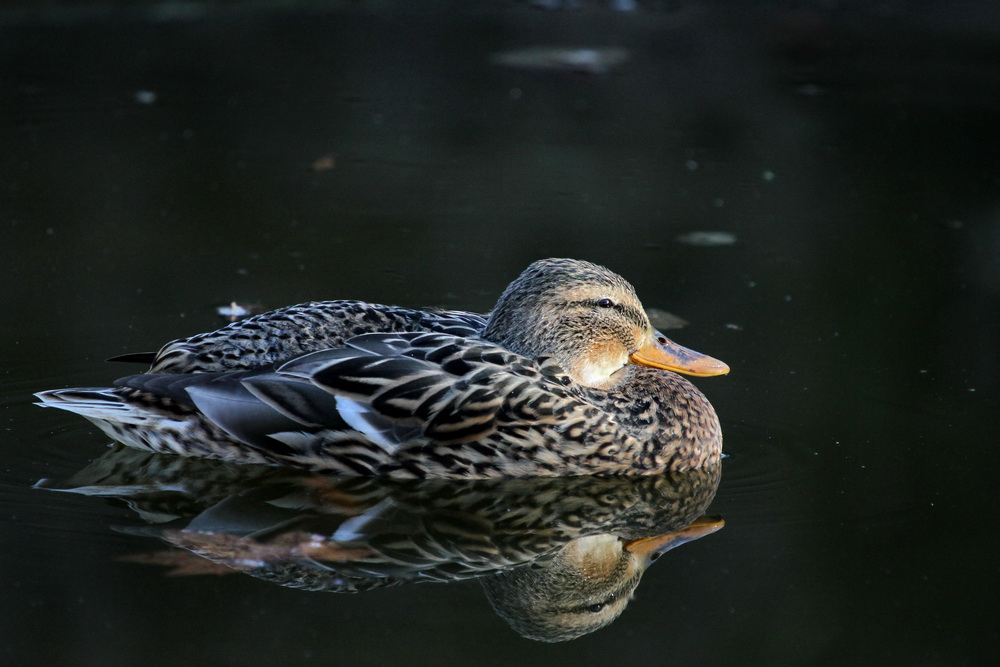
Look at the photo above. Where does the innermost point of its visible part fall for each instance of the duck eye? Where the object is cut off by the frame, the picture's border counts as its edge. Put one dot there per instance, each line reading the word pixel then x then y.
pixel 606 303
pixel 594 608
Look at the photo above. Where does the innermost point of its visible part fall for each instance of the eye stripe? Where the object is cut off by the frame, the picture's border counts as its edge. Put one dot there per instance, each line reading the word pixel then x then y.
pixel 634 314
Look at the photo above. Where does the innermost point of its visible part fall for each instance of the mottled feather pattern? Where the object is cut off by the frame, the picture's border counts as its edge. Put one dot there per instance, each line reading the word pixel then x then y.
pixel 500 413
pixel 282 334
pixel 458 389
pixel 465 408
pixel 155 423
pixel 543 386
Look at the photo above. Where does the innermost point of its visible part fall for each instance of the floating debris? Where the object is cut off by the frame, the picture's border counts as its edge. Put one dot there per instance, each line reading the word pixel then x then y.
pixel 661 319
pixel 555 59
pixel 144 96
pixel 235 312
pixel 325 163
pixel 707 238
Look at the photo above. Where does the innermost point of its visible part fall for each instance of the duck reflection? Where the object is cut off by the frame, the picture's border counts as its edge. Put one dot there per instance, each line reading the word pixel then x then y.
pixel 557 557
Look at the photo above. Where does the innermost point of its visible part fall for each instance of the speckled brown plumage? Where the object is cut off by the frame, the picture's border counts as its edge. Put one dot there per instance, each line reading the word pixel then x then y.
pixel 288 332
pixel 546 385
pixel 420 405
pixel 586 317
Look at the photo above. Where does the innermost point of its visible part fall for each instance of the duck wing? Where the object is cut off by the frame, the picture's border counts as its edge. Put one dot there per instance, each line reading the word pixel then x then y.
pixel 442 406
pixel 397 387
pixel 390 388
pixel 226 400
pixel 407 404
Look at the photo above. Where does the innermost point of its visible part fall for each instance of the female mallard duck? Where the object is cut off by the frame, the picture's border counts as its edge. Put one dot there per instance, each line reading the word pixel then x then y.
pixel 565 377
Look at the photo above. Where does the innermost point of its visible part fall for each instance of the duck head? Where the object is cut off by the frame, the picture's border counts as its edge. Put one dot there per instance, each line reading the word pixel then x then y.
pixel 588 319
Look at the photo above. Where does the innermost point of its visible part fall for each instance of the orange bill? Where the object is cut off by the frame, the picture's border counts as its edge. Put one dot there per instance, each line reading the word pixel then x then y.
pixel 658 351
pixel 650 548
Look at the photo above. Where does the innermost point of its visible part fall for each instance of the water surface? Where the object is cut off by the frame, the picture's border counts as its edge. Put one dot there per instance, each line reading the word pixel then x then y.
pixel 843 162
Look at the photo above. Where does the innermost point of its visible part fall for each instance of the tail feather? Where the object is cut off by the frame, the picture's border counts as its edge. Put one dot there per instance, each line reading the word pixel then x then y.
pixel 94 403
pixel 161 427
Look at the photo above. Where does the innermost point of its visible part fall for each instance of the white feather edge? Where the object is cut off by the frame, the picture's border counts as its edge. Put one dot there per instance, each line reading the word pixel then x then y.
pixel 357 416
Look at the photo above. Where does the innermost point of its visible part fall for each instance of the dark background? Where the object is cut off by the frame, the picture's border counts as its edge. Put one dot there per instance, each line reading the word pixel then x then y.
pixel 158 160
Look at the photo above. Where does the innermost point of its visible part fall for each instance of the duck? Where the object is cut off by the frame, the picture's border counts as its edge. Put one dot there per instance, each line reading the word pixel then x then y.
pixel 565 376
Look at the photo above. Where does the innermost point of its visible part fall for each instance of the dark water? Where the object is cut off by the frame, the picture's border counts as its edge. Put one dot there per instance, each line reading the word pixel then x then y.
pixel 158 161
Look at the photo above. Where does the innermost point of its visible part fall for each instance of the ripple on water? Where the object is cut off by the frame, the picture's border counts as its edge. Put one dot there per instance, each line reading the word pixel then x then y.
pixel 45 443
pixel 59 442
pixel 767 475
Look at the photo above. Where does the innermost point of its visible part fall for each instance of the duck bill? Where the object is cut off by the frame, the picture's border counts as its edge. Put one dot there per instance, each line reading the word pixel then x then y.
pixel 650 548
pixel 658 351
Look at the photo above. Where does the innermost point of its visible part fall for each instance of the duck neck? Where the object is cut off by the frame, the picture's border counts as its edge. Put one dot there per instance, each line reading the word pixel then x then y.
pixel 511 332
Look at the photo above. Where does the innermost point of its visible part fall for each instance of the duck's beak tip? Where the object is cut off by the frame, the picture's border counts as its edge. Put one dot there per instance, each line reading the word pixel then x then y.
pixel 714 367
